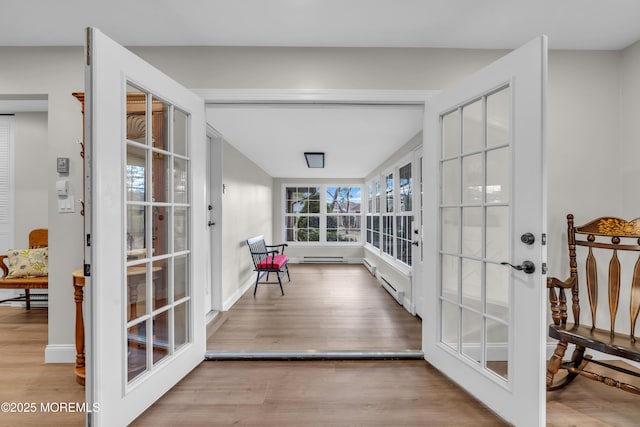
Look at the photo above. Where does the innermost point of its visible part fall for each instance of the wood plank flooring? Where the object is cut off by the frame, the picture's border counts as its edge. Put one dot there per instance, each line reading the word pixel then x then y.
pixel 336 393
pixel 25 376
pixel 325 307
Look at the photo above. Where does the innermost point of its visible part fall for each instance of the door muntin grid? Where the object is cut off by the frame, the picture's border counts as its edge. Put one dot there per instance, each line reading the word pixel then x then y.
pixel 157 223
pixel 475 212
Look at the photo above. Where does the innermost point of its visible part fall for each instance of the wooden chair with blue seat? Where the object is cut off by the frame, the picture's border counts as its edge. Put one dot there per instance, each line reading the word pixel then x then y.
pixel 268 259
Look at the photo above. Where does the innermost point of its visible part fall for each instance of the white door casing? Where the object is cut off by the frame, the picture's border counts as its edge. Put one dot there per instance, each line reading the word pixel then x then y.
pixel 119 395
pixel 470 356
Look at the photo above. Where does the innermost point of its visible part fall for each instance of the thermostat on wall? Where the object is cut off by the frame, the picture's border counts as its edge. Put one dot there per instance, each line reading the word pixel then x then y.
pixel 63 165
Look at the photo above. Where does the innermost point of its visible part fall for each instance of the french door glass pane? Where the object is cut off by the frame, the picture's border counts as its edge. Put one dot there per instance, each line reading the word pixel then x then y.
pixel 160 288
pixel 179 132
pixel 180 181
pixel 450 230
pixel 158 277
pixel 136 115
pixel 160 124
pixel 499 117
pixel 497 300
pixel 451 182
pixel 472 335
pixel 136 173
pixel 497 233
pixel 160 336
pixel 472 284
pixel 136 350
pixel 136 230
pixel 472 179
pixel 475 230
pixel 450 325
pixel 472 231
pixel 498 175
pixel 161 226
pixel 137 292
pixel 472 129
pixel 451 134
pixel 180 277
pixel 181 328
pixel 160 165
pixel 497 334
pixel 450 271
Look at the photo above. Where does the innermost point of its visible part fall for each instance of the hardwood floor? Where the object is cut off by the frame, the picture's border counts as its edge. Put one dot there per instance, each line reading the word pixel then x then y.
pixel 327 393
pixel 26 379
pixel 309 393
pixel 325 307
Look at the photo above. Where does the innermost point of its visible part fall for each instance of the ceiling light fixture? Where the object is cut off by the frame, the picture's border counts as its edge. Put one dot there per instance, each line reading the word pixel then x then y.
pixel 314 160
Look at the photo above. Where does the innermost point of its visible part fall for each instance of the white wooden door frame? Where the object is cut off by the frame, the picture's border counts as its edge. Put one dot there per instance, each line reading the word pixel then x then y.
pixel 214 172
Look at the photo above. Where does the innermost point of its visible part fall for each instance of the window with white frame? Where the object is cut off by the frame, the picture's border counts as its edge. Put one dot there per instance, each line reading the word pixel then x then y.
pixel 343 214
pixel 302 214
pixel 389 218
pixel 373 217
pixel 404 216
pixel 323 214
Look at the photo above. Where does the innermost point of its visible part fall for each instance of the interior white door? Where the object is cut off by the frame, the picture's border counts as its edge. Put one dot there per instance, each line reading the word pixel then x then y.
pixel 145 223
pixel 485 325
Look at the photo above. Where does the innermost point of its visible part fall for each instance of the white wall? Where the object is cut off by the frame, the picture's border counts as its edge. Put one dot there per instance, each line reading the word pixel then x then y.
pixel 583 131
pixel 246 212
pixel 629 118
pixel 56 73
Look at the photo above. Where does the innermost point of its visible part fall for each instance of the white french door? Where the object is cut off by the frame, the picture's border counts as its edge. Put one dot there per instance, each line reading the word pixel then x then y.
pixel 145 224
pixel 484 175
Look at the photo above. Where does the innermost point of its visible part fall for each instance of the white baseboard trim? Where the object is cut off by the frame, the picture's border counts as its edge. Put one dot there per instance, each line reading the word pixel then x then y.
pixel 229 302
pixel 60 353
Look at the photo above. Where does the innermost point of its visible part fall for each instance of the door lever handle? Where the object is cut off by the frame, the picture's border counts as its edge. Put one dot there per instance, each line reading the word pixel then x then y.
pixel 210 223
pixel 416 243
pixel 527 266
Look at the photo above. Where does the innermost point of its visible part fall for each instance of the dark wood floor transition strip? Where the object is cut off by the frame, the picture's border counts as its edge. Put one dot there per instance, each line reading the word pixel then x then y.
pixel 314 355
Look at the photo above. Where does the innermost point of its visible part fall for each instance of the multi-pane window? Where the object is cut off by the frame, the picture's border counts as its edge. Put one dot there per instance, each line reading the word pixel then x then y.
pixel 373 218
pixel 343 214
pixel 387 217
pixel 404 215
pixel 390 215
pixel 302 214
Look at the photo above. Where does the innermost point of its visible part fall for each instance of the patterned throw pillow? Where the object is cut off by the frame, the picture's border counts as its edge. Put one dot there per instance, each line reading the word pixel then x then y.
pixel 28 262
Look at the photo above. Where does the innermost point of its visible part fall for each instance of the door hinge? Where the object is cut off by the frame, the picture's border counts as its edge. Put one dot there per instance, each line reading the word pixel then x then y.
pixel 544 239
pixel 88 45
pixel 87 270
pixel 88 240
pixel 544 268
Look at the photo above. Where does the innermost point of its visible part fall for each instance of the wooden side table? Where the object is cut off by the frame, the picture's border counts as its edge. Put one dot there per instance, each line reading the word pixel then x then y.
pixel 78 296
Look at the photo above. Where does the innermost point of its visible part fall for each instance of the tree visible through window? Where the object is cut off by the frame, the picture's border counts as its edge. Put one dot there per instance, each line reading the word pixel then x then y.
pixel 343 214
pixel 323 214
pixel 302 214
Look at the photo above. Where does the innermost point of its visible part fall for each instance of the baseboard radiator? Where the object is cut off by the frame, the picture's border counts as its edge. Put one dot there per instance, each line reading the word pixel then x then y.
pixel 323 260
pixel 369 266
pixel 393 291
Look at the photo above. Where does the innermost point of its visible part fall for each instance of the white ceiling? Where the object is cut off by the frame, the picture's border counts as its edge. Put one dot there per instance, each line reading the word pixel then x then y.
pixel 504 24
pixel 275 138
pixel 356 139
